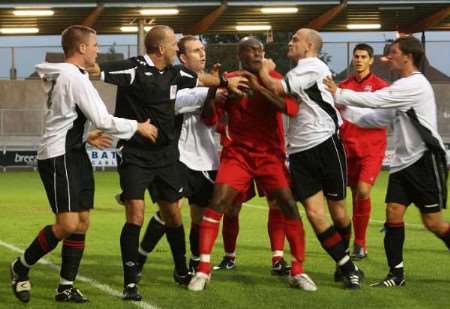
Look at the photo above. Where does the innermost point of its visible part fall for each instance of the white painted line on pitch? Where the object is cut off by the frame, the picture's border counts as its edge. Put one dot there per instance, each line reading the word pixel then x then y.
pixel 420 226
pixel 102 287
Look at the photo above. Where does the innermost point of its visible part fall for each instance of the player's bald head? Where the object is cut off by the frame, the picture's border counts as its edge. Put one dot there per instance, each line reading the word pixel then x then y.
pixel 251 53
pixel 248 41
pixel 313 37
pixel 156 37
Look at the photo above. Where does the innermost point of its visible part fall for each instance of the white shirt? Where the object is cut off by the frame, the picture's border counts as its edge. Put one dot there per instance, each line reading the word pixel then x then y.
pixel 197 144
pixel 413 91
pixel 312 125
pixel 72 99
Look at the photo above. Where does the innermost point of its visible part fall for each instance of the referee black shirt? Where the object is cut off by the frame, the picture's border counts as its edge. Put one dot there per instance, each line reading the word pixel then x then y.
pixel 144 92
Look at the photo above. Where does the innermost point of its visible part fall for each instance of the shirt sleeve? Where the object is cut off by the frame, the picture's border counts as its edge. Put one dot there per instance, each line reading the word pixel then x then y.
pixel 92 106
pixel 376 119
pixel 294 81
pixel 189 100
pixel 394 96
pixel 186 78
pixel 120 73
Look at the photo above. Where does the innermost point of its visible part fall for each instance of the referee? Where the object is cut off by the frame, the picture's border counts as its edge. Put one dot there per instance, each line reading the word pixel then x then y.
pixel 63 163
pixel 418 173
pixel 147 89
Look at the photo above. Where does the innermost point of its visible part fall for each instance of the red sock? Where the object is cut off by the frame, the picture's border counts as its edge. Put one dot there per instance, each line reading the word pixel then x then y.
pixel 230 231
pixel 209 228
pixel 296 238
pixel 275 227
pixel 361 216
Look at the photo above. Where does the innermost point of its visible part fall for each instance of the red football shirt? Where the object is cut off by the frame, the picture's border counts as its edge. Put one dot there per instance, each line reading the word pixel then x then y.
pixel 363 141
pixel 254 123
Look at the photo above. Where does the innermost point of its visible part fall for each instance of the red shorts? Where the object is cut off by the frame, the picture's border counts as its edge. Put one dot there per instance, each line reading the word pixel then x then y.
pixel 239 167
pixel 364 169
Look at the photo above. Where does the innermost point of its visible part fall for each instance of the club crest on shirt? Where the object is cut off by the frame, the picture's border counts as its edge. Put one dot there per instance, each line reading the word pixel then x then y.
pixel 368 88
pixel 173 92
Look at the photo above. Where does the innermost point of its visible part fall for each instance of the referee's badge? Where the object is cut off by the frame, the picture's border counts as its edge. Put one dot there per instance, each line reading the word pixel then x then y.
pixel 173 92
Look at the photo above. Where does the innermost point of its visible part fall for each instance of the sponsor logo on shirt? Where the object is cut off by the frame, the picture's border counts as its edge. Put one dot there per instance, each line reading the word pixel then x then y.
pixel 368 88
pixel 173 92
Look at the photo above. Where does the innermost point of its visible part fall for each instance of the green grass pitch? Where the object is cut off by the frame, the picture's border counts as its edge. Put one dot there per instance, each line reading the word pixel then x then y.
pixel 24 211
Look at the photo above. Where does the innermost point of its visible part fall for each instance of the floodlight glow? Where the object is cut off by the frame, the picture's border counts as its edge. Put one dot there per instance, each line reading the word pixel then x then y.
pixel 253 27
pixel 33 12
pixel 279 10
pixel 133 28
pixel 158 12
pixel 363 26
pixel 18 30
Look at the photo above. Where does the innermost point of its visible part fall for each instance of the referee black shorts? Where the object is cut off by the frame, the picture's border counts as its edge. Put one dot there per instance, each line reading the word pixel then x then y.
pixel 163 183
pixel 68 181
pixel 321 168
pixel 199 186
pixel 419 184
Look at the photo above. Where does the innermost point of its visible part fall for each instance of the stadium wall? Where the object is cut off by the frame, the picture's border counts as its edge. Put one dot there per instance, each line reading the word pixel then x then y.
pixel 22 108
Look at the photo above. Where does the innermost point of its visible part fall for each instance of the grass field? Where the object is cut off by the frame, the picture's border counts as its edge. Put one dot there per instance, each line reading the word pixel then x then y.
pixel 24 211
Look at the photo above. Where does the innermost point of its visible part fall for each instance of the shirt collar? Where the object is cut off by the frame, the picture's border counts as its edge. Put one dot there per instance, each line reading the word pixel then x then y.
pixel 308 59
pixel 149 60
pixel 362 80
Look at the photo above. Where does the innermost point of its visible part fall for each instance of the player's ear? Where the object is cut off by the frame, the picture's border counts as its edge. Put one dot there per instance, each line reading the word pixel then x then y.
pixel 183 58
pixel 161 49
pixel 82 48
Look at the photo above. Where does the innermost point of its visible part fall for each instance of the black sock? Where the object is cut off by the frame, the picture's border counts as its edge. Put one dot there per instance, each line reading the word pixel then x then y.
pixel 71 254
pixel 332 242
pixel 129 244
pixel 175 237
pixel 45 242
pixel 393 246
pixel 346 233
pixel 155 231
pixel 446 238
pixel 194 239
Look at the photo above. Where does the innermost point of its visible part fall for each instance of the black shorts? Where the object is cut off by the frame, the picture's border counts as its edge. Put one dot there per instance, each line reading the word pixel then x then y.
pixel 163 183
pixel 321 168
pixel 417 184
pixel 199 186
pixel 68 181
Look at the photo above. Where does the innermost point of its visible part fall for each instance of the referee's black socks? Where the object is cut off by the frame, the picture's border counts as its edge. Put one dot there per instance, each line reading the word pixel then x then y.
pixel 45 242
pixel 393 245
pixel 129 244
pixel 176 238
pixel 155 231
